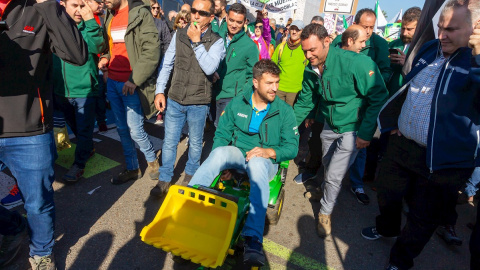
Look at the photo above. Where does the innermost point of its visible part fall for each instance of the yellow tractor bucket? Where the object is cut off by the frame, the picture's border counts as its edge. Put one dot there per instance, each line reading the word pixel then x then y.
pixel 193 224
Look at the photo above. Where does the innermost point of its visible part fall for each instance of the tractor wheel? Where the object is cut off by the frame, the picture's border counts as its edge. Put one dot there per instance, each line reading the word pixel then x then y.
pixel 273 214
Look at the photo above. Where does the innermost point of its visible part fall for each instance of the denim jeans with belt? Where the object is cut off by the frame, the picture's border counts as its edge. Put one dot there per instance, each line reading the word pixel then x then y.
pixel 31 159
pixel 175 118
pixel 260 171
pixel 129 120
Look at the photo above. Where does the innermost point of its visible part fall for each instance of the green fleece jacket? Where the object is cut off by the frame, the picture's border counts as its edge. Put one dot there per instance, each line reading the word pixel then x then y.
pixel 377 49
pixel 278 129
pixel 220 30
pixel 350 93
pixel 235 70
pixel 80 81
pixel 292 64
pixel 397 80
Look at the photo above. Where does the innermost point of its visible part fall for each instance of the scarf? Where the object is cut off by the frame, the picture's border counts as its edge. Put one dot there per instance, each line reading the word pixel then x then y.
pixel 293 46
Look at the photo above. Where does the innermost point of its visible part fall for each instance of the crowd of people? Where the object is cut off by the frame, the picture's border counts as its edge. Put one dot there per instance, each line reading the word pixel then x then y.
pixel 412 130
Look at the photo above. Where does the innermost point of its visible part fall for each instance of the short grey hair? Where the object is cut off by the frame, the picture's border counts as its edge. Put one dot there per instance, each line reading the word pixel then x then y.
pixel 473 7
pixel 273 21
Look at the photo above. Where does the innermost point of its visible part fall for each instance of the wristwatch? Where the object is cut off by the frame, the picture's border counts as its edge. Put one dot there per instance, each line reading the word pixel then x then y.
pixel 196 44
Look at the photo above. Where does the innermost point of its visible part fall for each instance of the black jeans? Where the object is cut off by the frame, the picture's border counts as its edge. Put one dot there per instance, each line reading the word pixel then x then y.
pixel 11 223
pixel 433 196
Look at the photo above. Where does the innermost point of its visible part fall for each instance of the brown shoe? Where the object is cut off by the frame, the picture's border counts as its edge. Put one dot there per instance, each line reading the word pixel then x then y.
pixel 44 263
pixel 126 176
pixel 152 170
pixel 186 179
pixel 324 227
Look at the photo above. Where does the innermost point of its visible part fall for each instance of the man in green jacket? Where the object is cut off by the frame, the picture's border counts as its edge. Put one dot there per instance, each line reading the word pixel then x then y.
pixel 290 59
pixel 235 71
pixel 134 53
pixel 350 92
pixel 402 45
pixel 76 87
pixel 257 131
pixel 219 24
pixel 376 47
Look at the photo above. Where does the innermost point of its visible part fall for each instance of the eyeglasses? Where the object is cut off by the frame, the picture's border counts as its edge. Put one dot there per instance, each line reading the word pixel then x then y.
pixel 155 7
pixel 258 26
pixel 202 13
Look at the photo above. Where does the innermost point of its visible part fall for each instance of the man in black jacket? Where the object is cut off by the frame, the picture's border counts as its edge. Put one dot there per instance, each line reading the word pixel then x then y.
pixel 27 148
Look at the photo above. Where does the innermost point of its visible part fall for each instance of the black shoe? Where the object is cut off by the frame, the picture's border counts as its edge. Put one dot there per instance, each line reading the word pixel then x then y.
pixel 392 267
pixel 253 254
pixel 125 176
pixel 371 233
pixel 74 174
pixel 362 198
pixel 448 234
pixel 186 180
pixel 160 189
pixel 11 245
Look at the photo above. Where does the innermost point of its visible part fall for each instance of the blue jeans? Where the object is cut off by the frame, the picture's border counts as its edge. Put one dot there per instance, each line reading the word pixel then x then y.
pixel 260 171
pixel 129 120
pixel 31 159
pixel 358 169
pixel 472 183
pixel 195 116
pixel 80 117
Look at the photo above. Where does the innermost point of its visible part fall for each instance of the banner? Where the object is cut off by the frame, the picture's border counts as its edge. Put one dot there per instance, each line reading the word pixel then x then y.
pixel 392 31
pixel 344 7
pixel 339 25
pixel 273 6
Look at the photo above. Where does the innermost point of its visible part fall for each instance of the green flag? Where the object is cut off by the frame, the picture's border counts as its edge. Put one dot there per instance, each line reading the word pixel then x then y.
pixel 345 24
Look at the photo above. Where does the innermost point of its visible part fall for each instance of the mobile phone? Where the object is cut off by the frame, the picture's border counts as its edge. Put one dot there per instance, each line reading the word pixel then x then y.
pixel 393 51
pixel 3 26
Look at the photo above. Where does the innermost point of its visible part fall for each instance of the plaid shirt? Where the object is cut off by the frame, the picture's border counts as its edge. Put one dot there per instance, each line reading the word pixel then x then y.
pixel 414 118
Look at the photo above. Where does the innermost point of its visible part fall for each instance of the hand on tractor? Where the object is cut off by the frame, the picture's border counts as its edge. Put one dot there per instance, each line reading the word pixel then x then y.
pixel 261 152
pixel 226 175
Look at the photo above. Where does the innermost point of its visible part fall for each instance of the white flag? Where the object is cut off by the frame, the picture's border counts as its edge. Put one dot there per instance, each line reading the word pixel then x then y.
pixel 397 17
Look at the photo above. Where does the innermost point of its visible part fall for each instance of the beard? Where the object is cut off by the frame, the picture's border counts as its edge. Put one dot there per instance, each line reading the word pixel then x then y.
pixel 405 39
pixel 218 12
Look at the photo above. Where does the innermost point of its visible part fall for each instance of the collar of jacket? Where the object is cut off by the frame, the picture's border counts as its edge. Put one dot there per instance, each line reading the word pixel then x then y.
pixel 236 37
pixel 274 105
pixel 332 53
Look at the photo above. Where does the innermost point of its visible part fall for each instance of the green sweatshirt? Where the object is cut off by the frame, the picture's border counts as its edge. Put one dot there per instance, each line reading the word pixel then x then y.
pixel 278 129
pixel 80 81
pixel 350 93
pixel 235 70
pixel 377 49
pixel 223 26
pixel 291 63
pixel 397 79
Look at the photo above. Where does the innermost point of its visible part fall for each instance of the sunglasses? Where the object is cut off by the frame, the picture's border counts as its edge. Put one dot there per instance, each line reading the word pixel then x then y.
pixel 200 12
pixel 155 7
pixel 258 26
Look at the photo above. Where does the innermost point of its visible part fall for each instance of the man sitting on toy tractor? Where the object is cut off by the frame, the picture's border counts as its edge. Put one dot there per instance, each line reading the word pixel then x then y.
pixel 257 131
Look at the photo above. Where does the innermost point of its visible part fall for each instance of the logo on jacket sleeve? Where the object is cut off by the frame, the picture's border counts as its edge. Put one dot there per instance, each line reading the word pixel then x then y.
pixel 28 29
pixel 371 73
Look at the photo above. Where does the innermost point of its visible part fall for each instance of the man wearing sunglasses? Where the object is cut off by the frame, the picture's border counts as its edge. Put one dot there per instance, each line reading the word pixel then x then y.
pixel 195 52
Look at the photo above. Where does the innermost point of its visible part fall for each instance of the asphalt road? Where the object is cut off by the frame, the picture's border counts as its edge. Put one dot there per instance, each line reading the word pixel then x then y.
pixel 101 230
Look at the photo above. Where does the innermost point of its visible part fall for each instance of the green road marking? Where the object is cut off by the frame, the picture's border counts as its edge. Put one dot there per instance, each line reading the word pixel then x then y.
pixel 293 257
pixel 95 164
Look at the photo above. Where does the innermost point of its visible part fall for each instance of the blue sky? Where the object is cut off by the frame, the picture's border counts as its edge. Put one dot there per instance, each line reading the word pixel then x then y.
pixel 390 6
